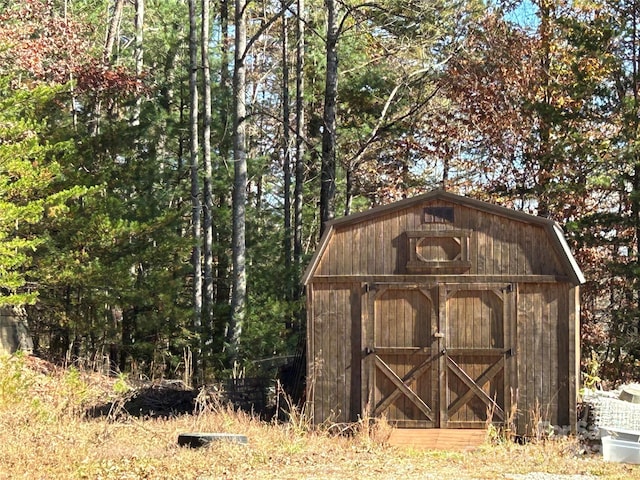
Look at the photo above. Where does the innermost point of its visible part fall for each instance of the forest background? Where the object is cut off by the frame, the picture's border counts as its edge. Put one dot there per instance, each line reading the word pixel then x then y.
pixel 167 166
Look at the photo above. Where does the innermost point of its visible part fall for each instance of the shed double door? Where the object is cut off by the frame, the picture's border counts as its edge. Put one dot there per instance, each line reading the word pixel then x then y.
pixel 438 355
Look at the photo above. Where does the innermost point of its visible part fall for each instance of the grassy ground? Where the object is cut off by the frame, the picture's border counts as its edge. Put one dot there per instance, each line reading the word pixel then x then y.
pixel 44 435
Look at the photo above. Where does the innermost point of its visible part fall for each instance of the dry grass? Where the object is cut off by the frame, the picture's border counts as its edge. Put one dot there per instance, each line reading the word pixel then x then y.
pixel 44 436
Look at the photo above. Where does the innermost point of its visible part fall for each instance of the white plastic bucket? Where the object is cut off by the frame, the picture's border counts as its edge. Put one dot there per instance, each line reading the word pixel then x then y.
pixel 621 451
pixel 620 434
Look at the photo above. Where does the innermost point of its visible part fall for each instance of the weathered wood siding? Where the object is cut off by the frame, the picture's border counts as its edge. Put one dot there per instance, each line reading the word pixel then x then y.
pixel 497 245
pixel 546 354
pixel 334 343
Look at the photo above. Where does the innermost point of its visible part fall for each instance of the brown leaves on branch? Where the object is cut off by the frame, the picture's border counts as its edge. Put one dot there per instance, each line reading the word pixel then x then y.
pixel 492 85
pixel 107 80
pixel 40 43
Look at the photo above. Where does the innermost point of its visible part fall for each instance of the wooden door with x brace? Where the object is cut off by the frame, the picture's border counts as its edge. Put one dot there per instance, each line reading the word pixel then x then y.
pixel 439 355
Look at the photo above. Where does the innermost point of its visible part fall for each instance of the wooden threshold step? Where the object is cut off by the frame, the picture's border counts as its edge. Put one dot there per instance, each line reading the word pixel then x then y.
pixel 438 438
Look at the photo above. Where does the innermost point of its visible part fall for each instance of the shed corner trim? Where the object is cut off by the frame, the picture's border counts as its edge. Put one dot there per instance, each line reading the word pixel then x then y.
pixel 313 263
pixel 576 272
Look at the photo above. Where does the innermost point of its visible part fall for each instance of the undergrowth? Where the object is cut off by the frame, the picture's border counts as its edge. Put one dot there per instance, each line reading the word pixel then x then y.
pixel 45 434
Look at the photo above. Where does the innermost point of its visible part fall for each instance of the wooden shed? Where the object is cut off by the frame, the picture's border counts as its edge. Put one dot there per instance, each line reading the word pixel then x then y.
pixel 442 311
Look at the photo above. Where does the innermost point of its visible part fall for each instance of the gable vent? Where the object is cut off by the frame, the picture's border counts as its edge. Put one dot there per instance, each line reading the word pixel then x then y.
pixel 438 215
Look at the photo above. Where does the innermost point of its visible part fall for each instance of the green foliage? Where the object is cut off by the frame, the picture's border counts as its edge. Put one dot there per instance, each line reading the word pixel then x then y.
pixel 268 337
pixel 29 185
pixel 14 380
pixel 121 385
pixel 75 392
pixel 33 392
pixel 591 378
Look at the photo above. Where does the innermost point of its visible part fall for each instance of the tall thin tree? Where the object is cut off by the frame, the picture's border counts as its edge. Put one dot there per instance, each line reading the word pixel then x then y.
pixel 239 293
pixel 300 135
pixel 221 234
pixel 286 155
pixel 112 31
pixel 329 123
pixel 138 57
pixel 195 185
pixel 108 56
pixel 207 190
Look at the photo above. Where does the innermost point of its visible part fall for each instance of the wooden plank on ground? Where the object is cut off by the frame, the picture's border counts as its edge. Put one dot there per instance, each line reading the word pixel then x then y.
pixel 438 438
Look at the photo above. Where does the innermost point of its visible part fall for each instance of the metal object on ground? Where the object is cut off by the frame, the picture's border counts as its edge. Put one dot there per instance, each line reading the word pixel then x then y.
pixel 198 439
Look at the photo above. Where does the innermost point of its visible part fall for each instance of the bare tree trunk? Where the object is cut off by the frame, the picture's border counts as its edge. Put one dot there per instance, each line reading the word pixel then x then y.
pixel 208 171
pixel 300 136
pixel 238 298
pixel 328 168
pixel 112 31
pixel 114 20
pixel 195 186
pixel 224 68
pixel 168 102
pixel 348 201
pixel 223 288
pixel 545 157
pixel 444 184
pixel 74 110
pixel 635 200
pixel 286 158
pixel 139 58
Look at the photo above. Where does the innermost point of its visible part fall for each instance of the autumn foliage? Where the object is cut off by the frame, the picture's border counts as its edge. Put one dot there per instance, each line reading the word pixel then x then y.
pixel 41 42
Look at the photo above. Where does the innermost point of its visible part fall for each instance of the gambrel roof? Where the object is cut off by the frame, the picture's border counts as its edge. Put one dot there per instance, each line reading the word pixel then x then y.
pixel 553 229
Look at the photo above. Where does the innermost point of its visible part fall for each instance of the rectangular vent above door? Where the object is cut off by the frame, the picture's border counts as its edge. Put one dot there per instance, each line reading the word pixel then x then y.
pixel 438 215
